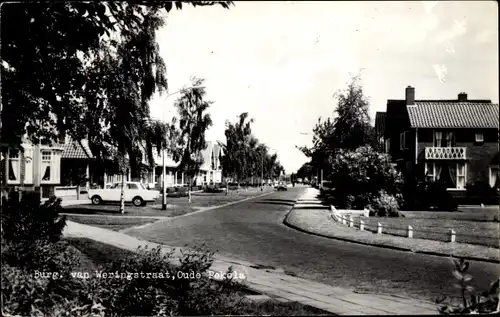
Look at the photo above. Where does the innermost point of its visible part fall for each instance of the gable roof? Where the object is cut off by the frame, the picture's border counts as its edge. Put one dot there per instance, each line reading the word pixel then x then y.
pixel 444 114
pixel 76 150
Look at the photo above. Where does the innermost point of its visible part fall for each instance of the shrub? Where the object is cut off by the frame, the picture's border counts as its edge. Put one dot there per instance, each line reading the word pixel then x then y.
pixel 486 302
pixel 179 296
pixel 27 220
pixel 385 205
pixel 31 231
pixel 358 177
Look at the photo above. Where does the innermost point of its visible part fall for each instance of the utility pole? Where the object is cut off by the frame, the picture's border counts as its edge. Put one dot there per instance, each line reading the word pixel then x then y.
pixel 262 173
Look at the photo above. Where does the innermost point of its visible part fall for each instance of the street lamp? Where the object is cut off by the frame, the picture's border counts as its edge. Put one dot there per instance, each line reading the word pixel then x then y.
pixel 164 185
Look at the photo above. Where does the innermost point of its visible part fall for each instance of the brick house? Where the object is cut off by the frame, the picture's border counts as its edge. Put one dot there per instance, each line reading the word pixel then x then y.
pixel 454 141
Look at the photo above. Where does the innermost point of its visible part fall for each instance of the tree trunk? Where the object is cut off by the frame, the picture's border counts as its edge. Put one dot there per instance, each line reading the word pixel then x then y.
pixel 122 195
pixel 78 192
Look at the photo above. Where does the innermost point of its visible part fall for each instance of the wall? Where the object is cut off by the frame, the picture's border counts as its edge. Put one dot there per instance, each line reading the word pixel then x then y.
pixel 479 156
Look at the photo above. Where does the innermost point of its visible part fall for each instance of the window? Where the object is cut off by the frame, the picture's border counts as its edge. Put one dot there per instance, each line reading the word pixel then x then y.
pixel 387 145
pixel 46 156
pixel 449 139
pixel 494 176
pixel 479 138
pixel 14 166
pixel 402 141
pixel 438 137
pixel 132 186
pixel 461 170
pixel 429 171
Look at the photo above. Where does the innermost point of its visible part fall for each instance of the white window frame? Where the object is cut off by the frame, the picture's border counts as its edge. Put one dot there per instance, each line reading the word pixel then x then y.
pixel 431 169
pixel 490 174
pixel 387 145
pixel 479 137
pixel 46 159
pixel 449 141
pixel 14 156
pixel 434 138
pixel 464 176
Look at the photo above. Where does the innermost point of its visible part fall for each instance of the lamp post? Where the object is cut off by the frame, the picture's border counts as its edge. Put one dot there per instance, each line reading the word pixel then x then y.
pixel 164 187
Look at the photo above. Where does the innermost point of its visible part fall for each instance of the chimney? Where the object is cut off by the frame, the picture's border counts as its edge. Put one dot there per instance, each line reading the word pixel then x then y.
pixel 410 96
pixel 462 97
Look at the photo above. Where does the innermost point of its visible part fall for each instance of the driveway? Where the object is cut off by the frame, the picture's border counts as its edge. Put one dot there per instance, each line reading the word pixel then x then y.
pixel 253 231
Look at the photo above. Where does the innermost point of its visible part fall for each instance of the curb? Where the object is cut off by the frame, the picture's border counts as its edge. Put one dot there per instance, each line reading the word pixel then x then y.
pixel 166 219
pixel 470 258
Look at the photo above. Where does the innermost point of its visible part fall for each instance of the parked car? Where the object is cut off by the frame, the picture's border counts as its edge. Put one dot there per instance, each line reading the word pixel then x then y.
pixel 281 186
pixel 134 192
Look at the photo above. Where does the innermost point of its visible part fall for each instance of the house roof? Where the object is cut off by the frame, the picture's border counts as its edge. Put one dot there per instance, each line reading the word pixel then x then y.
pixel 380 122
pixel 75 150
pixel 444 114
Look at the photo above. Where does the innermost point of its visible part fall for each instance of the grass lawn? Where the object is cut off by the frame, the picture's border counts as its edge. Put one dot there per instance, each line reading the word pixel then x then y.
pixel 475 227
pixel 110 222
pixel 95 254
pixel 176 206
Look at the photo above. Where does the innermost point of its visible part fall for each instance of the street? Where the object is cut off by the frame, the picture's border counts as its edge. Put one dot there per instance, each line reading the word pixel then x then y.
pixel 254 231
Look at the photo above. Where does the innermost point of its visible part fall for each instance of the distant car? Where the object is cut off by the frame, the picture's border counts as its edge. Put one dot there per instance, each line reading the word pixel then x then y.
pixel 281 186
pixel 134 192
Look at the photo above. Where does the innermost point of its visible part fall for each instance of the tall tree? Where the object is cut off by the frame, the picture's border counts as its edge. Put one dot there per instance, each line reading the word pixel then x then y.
pixel 349 129
pixel 193 123
pixel 238 136
pixel 352 127
pixel 43 63
pixel 46 75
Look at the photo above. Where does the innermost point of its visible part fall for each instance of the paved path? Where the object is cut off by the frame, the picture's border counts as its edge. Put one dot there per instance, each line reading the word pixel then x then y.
pixel 319 221
pixel 275 283
pixel 254 231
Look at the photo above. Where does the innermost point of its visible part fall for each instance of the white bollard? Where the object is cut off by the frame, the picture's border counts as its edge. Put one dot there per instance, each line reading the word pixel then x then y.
pixel 379 228
pixel 361 225
pixel 452 235
pixel 351 221
pixel 366 213
pixel 410 232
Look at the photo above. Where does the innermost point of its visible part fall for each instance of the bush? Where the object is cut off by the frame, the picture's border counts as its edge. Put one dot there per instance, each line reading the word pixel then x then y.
pixel 481 193
pixel 385 205
pixel 167 296
pixel 485 302
pixel 359 176
pixel 29 230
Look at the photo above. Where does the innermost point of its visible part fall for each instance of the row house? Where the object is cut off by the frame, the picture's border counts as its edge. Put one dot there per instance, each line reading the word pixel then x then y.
pixel 454 141
pixel 50 167
pixel 44 166
pixel 210 171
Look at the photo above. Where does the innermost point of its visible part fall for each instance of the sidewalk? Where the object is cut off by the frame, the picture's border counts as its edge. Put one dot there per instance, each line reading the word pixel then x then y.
pixel 276 283
pixel 319 222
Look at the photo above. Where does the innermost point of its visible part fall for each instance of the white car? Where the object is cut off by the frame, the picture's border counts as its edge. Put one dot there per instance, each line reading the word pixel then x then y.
pixel 134 192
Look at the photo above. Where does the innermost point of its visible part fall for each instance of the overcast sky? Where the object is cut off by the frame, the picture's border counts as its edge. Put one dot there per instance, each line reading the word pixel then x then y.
pixel 282 61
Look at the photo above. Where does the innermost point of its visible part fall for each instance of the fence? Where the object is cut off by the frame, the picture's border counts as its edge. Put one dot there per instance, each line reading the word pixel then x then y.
pixel 64 191
pixel 345 217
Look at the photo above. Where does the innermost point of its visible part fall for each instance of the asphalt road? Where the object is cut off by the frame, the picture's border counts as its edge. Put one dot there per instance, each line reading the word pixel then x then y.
pixel 254 231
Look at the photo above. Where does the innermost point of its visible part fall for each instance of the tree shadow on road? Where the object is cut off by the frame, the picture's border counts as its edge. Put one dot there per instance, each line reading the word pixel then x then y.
pixel 285 203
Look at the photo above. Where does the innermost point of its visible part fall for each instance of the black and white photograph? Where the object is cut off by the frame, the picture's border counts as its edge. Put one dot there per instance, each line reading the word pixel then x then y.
pixel 249 158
